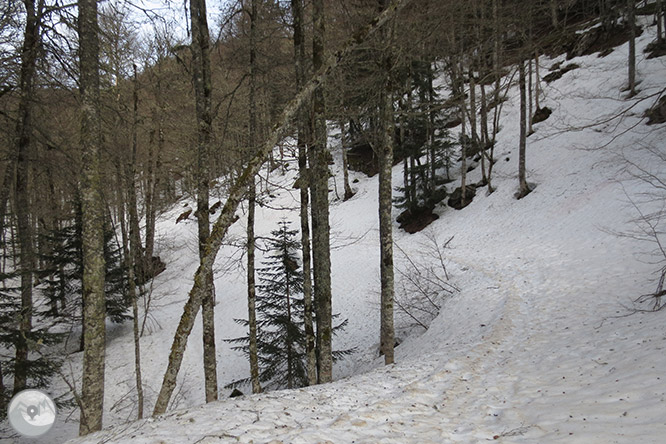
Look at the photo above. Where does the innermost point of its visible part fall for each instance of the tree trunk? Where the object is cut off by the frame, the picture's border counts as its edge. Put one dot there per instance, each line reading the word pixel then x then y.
pixel 554 20
pixel 385 155
pixel 537 82
pixel 524 189
pixel 345 164
pixel 658 17
pixel 136 248
pixel 131 288
pixel 237 191
pixel 320 224
pixel 203 91
pixel 92 390
pixel 251 289
pixel 7 181
pixel 302 142
pixel 29 54
pixel 530 97
pixel 631 5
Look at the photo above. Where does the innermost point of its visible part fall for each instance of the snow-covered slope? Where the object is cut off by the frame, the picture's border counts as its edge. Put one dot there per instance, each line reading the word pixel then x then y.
pixel 538 346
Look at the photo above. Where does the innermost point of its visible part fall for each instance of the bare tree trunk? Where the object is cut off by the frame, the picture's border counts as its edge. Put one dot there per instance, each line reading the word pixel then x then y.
pixel 131 287
pixel 29 55
pixel 524 189
pixel 537 82
pixel 385 155
pixel 320 224
pixel 553 14
pixel 530 97
pixel 92 391
pixel 345 165
pixel 631 18
pixel 236 193
pixel 484 131
pixel 252 191
pixel 134 230
pixel 658 17
pixel 203 91
pixel 303 140
pixel 7 181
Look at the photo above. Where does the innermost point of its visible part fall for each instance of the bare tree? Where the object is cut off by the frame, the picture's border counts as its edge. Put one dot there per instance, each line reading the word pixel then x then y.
pixel 236 193
pixel 302 142
pixel 252 191
pixel 203 90
pixel 321 249
pixel 24 130
pixel 385 155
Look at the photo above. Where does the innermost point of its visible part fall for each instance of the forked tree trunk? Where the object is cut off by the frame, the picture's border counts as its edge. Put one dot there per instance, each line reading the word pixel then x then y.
pixel 236 193
pixel 203 91
pixel 302 142
pixel 92 390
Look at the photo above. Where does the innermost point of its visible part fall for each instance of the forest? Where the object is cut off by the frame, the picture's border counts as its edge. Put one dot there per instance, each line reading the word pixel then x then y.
pixel 114 112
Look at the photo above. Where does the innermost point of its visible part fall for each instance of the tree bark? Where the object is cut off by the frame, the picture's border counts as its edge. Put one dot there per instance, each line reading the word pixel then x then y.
pixel 302 142
pixel 321 252
pixel 345 164
pixel 524 189
pixel 631 5
pixel 237 191
pixel 29 54
pixel 385 154
pixel 92 391
pixel 131 287
pixel 203 91
pixel 136 248
pixel 251 289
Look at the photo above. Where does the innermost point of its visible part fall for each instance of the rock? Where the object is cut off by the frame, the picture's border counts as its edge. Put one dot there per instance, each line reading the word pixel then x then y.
pixel 455 200
pixel 236 393
pixel 541 114
pixel 184 216
pixel 413 221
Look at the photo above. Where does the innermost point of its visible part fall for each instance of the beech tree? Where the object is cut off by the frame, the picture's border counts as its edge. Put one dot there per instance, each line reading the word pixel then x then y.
pixel 201 76
pixel 237 191
pixel 92 390
pixel 321 250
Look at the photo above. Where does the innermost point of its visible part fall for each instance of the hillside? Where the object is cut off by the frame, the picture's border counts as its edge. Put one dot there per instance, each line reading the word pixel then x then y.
pixel 539 345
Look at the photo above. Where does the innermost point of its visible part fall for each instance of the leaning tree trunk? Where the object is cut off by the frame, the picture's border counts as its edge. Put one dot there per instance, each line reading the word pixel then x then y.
pixel 29 55
pixel 385 155
pixel 237 191
pixel 321 251
pixel 203 91
pixel 92 390
pixel 302 142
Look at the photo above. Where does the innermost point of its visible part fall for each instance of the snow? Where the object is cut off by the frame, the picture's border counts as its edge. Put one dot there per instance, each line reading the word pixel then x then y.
pixel 539 345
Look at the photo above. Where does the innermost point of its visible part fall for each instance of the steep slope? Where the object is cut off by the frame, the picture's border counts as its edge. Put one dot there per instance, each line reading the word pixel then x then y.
pixel 540 344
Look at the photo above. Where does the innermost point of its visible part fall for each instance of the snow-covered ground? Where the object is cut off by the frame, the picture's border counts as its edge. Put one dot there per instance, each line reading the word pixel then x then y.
pixel 540 344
